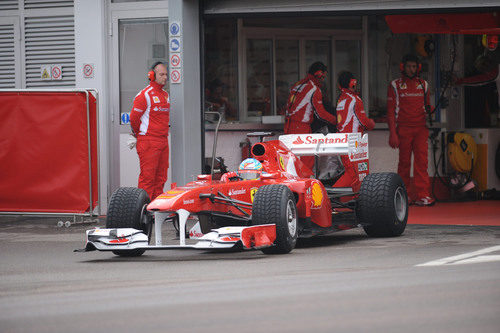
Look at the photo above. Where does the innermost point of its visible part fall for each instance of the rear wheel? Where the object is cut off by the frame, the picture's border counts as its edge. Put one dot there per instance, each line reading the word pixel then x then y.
pixel 382 207
pixel 127 209
pixel 275 204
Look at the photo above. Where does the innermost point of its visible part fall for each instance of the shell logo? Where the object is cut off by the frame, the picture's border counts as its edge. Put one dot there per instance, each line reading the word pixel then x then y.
pixel 317 195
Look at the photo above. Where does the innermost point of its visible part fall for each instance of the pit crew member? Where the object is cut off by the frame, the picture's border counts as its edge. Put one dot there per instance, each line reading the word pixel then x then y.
pixel 304 102
pixel 351 118
pixel 149 120
pixel 407 106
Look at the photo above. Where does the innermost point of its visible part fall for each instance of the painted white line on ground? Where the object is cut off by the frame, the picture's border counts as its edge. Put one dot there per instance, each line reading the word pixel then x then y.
pixel 478 259
pixel 466 258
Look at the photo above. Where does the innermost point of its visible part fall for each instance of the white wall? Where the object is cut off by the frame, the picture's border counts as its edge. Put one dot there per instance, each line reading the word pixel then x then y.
pixel 90 48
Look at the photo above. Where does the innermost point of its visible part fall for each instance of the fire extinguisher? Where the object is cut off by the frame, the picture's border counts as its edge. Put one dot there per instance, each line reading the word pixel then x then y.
pixel 245 149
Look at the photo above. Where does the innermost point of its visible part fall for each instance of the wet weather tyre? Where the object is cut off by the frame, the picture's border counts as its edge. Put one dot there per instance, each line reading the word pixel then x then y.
pixel 382 207
pixel 275 204
pixel 125 210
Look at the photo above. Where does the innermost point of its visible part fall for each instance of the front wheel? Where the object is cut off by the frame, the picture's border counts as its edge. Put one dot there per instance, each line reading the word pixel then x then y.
pixel 127 209
pixel 382 207
pixel 275 204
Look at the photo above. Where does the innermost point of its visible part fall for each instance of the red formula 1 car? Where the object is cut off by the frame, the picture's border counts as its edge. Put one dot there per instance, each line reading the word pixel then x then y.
pixel 268 212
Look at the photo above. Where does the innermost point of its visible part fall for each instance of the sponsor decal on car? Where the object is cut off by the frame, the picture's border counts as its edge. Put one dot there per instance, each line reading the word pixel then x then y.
pixel 362 166
pixel 237 192
pixel 309 139
pixel 317 195
pixel 362 176
pixel 187 202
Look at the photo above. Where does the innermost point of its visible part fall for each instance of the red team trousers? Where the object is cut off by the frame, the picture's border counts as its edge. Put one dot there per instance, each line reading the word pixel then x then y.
pixel 153 156
pixel 414 139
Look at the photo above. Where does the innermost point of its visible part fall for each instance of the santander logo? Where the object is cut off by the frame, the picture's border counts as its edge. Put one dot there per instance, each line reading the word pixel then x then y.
pixel 325 140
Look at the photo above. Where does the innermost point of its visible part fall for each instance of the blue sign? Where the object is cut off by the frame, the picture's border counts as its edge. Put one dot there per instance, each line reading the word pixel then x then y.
pixel 175 44
pixel 125 118
pixel 175 29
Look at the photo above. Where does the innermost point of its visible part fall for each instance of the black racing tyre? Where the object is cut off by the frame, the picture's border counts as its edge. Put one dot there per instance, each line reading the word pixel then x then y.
pixel 275 204
pixel 382 207
pixel 126 210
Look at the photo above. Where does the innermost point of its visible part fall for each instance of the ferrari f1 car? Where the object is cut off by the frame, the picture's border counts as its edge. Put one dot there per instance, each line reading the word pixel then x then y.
pixel 267 205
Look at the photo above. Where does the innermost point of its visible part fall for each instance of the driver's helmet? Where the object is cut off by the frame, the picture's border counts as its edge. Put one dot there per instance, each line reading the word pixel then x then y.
pixel 250 169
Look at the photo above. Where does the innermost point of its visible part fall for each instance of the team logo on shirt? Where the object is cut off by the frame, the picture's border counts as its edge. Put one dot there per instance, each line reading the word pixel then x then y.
pixel 341 105
pixel 156 99
pixel 403 86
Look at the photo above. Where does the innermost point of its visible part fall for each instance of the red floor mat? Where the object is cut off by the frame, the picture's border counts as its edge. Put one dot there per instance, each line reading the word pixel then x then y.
pixel 482 212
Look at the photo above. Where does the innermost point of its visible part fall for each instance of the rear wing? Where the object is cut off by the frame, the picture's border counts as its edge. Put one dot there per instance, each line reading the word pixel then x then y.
pixel 354 145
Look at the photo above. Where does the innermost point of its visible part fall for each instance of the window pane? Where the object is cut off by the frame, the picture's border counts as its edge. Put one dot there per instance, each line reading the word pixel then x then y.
pixel 259 77
pixel 142 43
pixel 348 58
pixel 287 71
pixel 221 67
pixel 319 50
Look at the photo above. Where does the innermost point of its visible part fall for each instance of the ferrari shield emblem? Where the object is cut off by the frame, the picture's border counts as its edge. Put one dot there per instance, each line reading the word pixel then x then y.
pixel 282 163
pixel 252 193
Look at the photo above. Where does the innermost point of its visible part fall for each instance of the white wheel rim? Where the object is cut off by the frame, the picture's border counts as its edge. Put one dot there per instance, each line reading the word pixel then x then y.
pixel 291 217
pixel 400 204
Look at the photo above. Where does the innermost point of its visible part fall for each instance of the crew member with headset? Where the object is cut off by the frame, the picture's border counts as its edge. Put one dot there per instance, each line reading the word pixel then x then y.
pixel 351 118
pixel 407 107
pixel 304 102
pixel 149 120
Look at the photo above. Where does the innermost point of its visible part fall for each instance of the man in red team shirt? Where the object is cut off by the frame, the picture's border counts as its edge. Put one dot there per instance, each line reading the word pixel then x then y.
pixel 149 119
pixel 351 118
pixel 304 102
pixel 407 105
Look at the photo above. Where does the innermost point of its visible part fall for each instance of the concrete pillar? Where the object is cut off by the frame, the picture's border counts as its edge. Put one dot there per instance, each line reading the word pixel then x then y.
pixel 90 48
pixel 185 116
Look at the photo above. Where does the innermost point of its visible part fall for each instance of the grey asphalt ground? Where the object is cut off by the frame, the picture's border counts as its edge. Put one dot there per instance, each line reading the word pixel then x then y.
pixel 346 282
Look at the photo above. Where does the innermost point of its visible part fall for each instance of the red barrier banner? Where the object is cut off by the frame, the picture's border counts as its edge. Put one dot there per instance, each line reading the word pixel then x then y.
pixel 44 152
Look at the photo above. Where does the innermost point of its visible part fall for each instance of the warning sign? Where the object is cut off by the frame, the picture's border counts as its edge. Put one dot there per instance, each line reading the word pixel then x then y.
pixel 175 76
pixel 88 71
pixel 46 73
pixel 56 72
pixel 175 60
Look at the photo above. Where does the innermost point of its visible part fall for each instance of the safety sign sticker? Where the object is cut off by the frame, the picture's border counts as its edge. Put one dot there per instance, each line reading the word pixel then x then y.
pixel 175 44
pixel 175 29
pixel 125 118
pixel 50 72
pixel 175 60
pixel 56 72
pixel 88 71
pixel 175 76
pixel 46 72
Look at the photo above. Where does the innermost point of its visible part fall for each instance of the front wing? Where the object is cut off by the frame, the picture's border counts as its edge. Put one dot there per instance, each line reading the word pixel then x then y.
pixel 253 237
